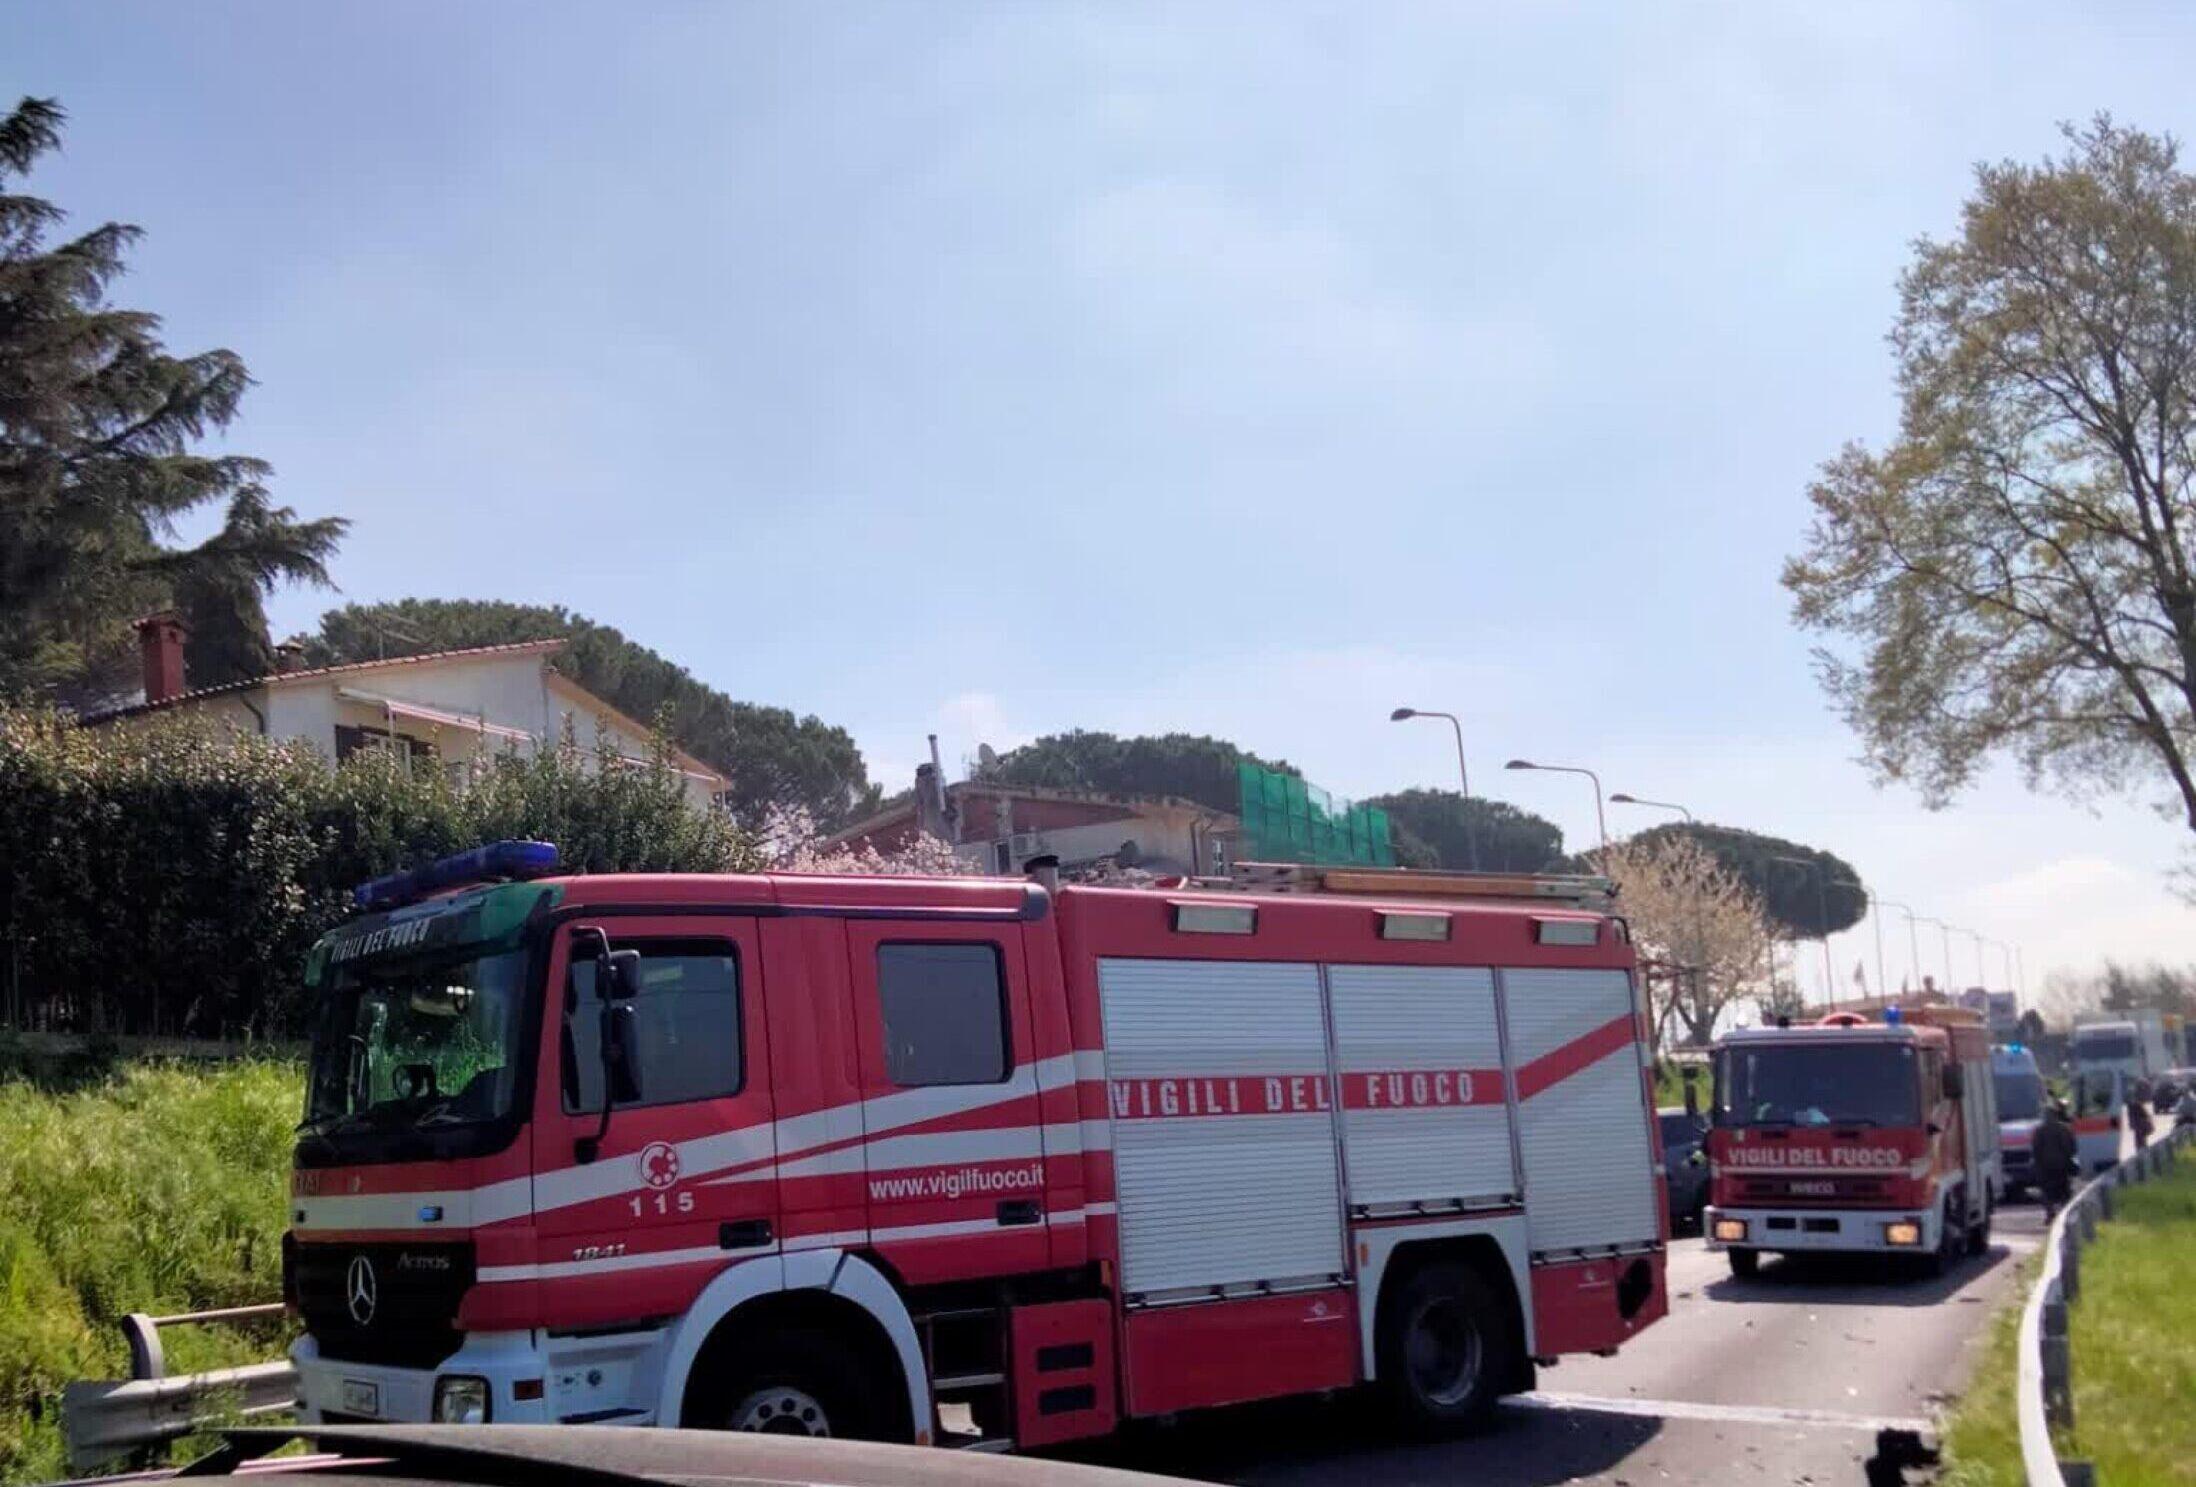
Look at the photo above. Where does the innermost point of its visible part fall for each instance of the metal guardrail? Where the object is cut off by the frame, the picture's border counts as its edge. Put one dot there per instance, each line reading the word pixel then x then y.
pixel 2044 1388
pixel 104 1420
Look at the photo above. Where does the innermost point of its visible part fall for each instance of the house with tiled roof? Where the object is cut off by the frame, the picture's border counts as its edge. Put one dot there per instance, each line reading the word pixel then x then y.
pixel 449 710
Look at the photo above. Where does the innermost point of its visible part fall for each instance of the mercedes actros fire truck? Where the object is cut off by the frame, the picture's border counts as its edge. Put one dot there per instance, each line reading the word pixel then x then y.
pixel 1855 1134
pixel 962 1160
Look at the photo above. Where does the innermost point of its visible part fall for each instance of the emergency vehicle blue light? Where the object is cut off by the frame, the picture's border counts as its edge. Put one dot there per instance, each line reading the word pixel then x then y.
pixel 1893 1014
pixel 495 860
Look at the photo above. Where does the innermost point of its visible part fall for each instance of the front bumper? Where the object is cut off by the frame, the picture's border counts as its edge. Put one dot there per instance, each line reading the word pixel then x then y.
pixel 1817 1230
pixel 533 1378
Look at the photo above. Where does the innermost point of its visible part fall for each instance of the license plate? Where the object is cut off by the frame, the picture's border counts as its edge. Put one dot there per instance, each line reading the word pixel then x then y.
pixel 361 1397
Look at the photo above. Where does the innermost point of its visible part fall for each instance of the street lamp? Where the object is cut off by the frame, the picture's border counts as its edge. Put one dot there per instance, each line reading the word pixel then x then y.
pixel 1913 940
pixel 1600 818
pixel 1463 776
pixel 1947 949
pixel 1875 915
pixel 1822 917
pixel 1660 805
pixel 1982 975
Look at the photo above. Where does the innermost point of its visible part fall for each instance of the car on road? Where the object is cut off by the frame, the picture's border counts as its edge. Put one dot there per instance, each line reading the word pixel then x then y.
pixel 1684 1165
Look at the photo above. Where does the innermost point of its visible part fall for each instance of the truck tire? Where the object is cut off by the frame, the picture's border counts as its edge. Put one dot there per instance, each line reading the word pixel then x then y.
pixel 798 1383
pixel 1745 1263
pixel 1951 1240
pixel 1978 1235
pixel 1445 1348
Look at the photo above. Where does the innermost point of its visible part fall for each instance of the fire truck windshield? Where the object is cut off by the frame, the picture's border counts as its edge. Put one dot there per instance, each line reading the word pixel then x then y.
pixel 1814 1084
pixel 416 1045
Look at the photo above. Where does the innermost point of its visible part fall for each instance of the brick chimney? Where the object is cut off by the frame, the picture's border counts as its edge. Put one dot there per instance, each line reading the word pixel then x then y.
pixel 160 648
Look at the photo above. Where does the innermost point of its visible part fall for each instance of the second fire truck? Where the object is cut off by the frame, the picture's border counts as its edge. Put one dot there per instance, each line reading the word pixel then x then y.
pixel 970 1161
pixel 1876 1135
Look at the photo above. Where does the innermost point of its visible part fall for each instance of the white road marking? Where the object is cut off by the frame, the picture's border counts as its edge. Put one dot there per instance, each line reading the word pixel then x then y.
pixel 1731 1414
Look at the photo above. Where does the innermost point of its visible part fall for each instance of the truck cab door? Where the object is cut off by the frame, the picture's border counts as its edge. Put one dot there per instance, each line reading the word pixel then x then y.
pixel 954 1138
pixel 684 1182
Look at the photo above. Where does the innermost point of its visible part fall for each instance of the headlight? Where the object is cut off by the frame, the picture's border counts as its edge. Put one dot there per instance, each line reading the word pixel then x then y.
pixel 1731 1231
pixel 461 1399
pixel 1906 1232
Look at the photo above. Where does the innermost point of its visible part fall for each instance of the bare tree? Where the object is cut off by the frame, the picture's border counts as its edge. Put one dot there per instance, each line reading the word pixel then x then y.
pixel 1686 909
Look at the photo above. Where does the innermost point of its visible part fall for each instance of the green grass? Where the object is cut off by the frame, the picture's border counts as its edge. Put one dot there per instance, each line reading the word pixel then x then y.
pixel 2134 1347
pixel 158 1188
pixel 1670 1085
pixel 1982 1439
pixel 2134 1338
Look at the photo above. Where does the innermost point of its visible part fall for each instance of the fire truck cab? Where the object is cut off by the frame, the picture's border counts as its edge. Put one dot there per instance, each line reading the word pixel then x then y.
pixel 1855 1134
pixel 970 1161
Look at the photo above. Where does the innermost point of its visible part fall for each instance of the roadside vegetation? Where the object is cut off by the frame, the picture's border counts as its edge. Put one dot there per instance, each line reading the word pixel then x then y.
pixel 2133 1371
pixel 154 1188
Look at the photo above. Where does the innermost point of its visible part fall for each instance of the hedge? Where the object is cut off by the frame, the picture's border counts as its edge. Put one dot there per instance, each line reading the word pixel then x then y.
pixel 168 879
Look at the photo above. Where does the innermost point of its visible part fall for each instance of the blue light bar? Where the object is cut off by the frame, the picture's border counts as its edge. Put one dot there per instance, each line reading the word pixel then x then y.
pixel 1893 1016
pixel 497 860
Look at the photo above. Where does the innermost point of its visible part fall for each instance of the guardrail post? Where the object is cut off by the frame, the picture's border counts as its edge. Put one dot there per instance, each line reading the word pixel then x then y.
pixel 143 1335
pixel 2070 1267
pixel 2058 1367
pixel 2104 1195
pixel 2077 1474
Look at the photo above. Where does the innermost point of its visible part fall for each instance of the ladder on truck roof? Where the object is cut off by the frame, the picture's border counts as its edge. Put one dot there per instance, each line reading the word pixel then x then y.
pixel 1571 890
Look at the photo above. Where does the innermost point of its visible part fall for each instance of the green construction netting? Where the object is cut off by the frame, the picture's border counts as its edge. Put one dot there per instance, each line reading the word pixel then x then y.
pixel 1287 820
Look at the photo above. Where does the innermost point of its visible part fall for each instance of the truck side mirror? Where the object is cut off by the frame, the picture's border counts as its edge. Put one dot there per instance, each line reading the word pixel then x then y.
pixel 1691 1076
pixel 1955 1082
pixel 624 983
pixel 621 1080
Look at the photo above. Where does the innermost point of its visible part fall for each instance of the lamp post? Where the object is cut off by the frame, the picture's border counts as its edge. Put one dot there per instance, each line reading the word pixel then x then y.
pixel 1620 798
pixel 1822 916
pixel 1601 818
pixel 1463 775
pixel 1947 929
pixel 1913 940
pixel 1982 974
pixel 1875 915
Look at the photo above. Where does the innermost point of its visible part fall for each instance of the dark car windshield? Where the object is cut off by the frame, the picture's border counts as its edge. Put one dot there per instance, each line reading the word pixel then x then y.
pixel 2115 1044
pixel 2020 1094
pixel 416 1044
pixel 1814 1085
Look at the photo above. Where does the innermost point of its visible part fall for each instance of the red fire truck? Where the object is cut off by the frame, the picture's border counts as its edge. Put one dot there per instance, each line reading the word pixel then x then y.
pixel 1854 1134
pixel 964 1160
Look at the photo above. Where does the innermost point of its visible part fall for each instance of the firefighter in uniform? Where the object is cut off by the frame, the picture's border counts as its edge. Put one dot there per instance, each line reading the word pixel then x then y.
pixel 2056 1155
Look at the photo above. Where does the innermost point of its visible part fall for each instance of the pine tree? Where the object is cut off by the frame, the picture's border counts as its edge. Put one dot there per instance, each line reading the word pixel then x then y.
pixel 98 428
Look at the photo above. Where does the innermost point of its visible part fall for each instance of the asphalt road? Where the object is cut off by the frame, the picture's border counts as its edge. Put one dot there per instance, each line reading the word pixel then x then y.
pixel 1787 1377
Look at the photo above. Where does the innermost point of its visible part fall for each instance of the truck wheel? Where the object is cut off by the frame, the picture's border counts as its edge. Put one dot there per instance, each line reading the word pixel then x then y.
pixel 1745 1263
pixel 1446 1345
pixel 1978 1237
pixel 1951 1241
pixel 797 1383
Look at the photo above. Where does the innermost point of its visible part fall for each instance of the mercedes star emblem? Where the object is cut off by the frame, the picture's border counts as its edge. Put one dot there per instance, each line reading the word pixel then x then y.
pixel 359 1290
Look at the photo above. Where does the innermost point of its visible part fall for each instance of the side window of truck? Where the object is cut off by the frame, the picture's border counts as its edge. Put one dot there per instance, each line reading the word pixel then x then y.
pixel 944 1007
pixel 688 1016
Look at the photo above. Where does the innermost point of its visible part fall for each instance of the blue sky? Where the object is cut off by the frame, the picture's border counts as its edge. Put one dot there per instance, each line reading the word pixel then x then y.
pixel 1000 369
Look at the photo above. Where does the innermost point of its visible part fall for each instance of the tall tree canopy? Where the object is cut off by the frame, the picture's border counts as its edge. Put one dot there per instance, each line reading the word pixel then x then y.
pixel 1819 892
pixel 2014 569
pixel 1509 840
pixel 97 428
pixel 774 759
pixel 1185 764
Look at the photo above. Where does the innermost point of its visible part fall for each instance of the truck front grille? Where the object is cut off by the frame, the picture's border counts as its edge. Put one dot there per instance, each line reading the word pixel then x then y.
pixel 400 1310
